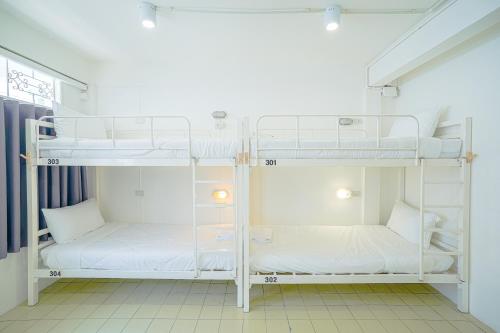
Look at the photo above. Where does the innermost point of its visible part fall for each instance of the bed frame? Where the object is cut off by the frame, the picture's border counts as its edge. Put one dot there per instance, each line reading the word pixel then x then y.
pixel 446 129
pixel 36 270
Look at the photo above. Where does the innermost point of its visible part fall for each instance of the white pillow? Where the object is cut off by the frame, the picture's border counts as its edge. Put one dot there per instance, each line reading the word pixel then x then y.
pixel 427 121
pixel 69 223
pixel 87 128
pixel 405 221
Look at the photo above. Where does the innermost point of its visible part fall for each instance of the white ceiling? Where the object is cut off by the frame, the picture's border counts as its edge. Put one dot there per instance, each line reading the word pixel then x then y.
pixel 109 29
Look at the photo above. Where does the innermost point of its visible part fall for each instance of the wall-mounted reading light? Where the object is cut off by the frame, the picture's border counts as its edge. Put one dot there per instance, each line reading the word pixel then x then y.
pixel 332 17
pixel 220 195
pixel 148 15
pixel 344 193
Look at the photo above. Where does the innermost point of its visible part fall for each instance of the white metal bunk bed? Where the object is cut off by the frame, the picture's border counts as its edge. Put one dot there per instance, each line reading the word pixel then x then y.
pixel 49 150
pixel 299 146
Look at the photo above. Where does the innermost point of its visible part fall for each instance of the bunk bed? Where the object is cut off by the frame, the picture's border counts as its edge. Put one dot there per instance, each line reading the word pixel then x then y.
pixel 136 250
pixel 309 254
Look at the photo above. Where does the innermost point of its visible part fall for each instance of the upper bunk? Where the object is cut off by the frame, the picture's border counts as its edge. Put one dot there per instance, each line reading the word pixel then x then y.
pixel 129 140
pixel 359 140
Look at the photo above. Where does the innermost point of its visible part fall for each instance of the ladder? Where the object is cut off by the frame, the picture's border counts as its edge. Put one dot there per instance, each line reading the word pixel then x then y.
pixel 461 232
pixel 197 205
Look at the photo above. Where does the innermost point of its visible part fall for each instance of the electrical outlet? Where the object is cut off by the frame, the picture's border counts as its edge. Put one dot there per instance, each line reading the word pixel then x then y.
pixel 139 193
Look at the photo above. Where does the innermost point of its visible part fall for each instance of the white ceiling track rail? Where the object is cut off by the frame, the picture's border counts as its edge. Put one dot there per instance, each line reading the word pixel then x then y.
pixel 287 10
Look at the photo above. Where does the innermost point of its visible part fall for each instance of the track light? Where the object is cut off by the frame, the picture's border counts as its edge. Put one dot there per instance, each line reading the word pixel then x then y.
pixel 148 15
pixel 344 193
pixel 332 17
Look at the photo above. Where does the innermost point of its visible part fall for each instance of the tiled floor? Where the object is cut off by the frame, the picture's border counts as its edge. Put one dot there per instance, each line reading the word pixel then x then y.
pixel 109 306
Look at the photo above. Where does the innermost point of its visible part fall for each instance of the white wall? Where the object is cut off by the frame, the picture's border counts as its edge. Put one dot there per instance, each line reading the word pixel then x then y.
pixel 248 65
pixel 41 47
pixel 467 79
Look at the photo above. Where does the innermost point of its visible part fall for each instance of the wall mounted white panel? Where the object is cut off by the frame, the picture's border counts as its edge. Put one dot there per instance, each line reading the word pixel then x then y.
pixel 450 25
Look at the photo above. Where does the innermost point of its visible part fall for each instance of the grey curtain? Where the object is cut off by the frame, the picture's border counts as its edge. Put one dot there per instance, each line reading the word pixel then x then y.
pixel 57 186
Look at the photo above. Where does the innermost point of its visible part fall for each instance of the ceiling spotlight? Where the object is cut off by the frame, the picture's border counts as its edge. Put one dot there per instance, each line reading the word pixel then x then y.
pixel 332 17
pixel 148 15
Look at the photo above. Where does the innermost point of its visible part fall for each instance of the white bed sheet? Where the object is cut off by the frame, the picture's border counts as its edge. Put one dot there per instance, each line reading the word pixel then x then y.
pixel 429 148
pixel 143 247
pixel 340 249
pixel 204 148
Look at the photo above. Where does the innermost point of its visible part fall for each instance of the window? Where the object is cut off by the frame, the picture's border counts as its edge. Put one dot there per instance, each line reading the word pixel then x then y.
pixel 26 84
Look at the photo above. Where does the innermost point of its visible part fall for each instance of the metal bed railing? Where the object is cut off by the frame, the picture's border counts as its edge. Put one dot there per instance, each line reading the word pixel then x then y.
pixel 47 122
pixel 339 127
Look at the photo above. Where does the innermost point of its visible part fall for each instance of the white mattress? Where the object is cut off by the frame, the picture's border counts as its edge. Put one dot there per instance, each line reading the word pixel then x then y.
pixel 429 148
pixel 205 148
pixel 340 249
pixel 143 247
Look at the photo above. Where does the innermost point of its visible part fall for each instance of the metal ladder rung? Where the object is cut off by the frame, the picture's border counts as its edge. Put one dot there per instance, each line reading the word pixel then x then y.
pixel 444 231
pixel 213 181
pixel 214 205
pixel 443 206
pixel 442 253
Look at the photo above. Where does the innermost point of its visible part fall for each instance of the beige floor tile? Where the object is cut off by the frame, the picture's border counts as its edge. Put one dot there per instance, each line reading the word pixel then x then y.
pixel 361 312
pixel 318 312
pixel 168 311
pixel 340 312
pixel 147 311
pixel 300 325
pixel 394 326
pixel 254 326
pixel 214 299
pixel 61 311
pixel 297 312
pixel 113 325
pixel 207 326
pixel 277 326
pixel 189 312
pixel 449 313
pixel 104 311
pixel 183 326
pixel 371 326
pixel 332 299
pixel 231 312
pixel 466 326
pixel 352 299
pixel 231 326
pixel 426 313
pixel 82 311
pixel 43 326
pixel 125 311
pixel 324 326
pixel 211 312
pixel 348 326
pixel 382 312
pixel 404 312
pixel 275 313
pixel 160 326
pixel 89 326
pixel 417 326
pixel 195 299
pixel 4 324
pixel 137 325
pixel 441 326
pixel 344 288
pixel 19 326
pixel 65 326
pixel 256 314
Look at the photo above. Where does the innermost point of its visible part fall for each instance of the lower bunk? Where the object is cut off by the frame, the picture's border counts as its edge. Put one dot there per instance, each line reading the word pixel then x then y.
pixel 82 245
pixel 319 254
